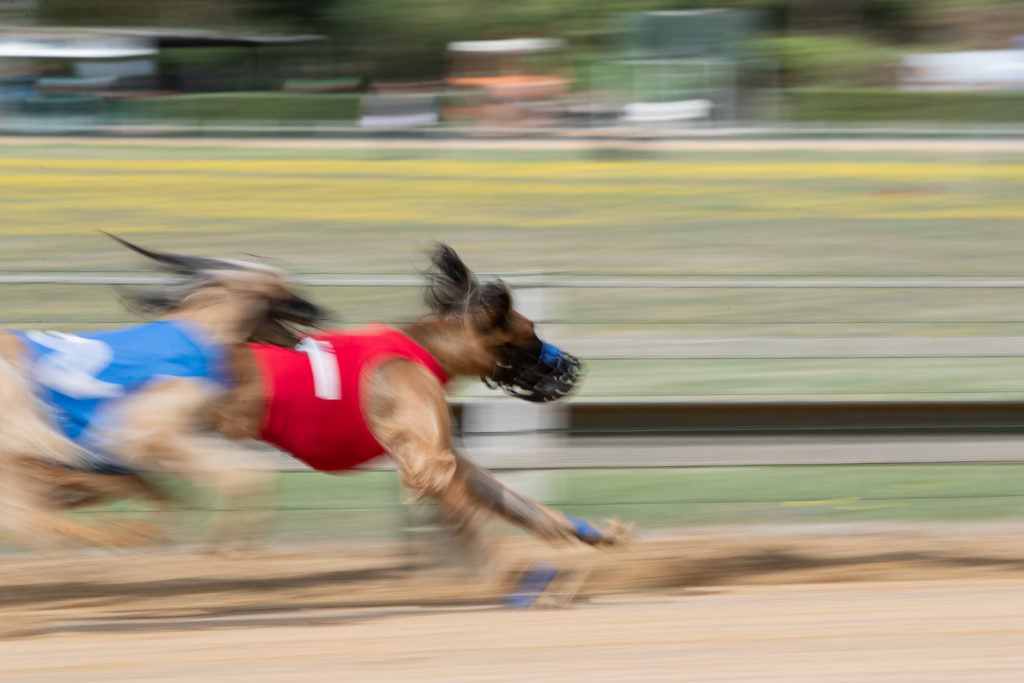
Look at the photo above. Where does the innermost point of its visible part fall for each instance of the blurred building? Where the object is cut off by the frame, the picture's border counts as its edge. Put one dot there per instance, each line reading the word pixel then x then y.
pixel 681 65
pixel 971 70
pixel 83 73
pixel 512 82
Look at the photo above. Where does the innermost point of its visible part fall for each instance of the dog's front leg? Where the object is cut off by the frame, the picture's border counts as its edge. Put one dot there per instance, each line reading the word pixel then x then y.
pixel 477 484
pixel 408 414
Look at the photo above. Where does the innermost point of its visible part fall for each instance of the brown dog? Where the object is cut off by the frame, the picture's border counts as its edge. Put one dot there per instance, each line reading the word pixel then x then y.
pixel 340 399
pixel 76 406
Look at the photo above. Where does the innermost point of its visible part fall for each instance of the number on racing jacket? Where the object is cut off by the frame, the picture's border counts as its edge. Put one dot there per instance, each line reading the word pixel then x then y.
pixel 74 364
pixel 326 380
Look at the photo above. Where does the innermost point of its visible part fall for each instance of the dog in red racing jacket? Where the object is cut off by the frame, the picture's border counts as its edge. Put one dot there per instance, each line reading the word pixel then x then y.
pixel 339 399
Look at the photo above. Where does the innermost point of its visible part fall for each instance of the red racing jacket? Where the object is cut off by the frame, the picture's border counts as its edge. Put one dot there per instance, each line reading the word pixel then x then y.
pixel 314 393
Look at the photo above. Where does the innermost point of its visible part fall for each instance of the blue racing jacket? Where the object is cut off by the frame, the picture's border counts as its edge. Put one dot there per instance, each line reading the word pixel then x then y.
pixel 82 377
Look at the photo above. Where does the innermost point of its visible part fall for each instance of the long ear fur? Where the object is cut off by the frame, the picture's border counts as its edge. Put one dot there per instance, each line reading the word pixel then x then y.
pixel 492 304
pixel 450 284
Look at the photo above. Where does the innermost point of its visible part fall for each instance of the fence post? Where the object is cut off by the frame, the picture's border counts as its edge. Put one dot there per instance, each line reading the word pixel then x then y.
pixel 496 427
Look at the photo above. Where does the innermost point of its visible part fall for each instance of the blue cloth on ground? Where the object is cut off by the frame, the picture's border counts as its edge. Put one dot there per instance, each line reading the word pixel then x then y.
pixel 531 585
pixel 81 376
pixel 585 531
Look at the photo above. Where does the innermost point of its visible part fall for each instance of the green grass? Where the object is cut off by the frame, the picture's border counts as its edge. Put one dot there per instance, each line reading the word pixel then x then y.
pixel 806 494
pixel 312 507
pixel 888 105
pixel 245 106
pixel 733 495
pixel 806 104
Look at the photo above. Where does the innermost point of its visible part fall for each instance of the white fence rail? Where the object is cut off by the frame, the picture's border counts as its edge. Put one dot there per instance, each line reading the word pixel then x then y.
pixel 565 281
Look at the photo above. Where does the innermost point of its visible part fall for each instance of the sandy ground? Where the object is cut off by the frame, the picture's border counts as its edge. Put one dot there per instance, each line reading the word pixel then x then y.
pixel 825 603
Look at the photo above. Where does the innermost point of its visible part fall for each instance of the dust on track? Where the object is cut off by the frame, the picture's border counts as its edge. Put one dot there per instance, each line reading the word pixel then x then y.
pixel 318 576
pixel 889 604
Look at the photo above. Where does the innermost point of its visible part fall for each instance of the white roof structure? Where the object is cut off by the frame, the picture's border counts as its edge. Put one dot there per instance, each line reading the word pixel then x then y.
pixel 74 46
pixel 122 43
pixel 977 69
pixel 508 46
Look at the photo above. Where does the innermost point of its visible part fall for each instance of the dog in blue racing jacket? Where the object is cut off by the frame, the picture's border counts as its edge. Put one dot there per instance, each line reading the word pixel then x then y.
pixel 134 398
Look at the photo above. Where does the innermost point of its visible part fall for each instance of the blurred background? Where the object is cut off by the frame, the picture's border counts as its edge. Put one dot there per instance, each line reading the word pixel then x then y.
pixel 783 234
pixel 331 66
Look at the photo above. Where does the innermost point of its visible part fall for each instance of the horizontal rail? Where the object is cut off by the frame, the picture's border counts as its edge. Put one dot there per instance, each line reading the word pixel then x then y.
pixel 797 347
pixel 667 435
pixel 737 452
pixel 805 418
pixel 584 283
pixel 662 435
pixel 762 451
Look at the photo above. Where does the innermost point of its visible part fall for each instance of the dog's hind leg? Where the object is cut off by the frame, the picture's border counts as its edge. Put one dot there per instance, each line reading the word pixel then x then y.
pixel 24 428
pixel 70 489
pixel 240 494
pixel 27 509
pixel 28 514
pixel 160 435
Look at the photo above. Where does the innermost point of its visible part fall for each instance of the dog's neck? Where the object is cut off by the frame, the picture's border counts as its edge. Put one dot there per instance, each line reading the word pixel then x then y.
pixel 226 322
pixel 457 350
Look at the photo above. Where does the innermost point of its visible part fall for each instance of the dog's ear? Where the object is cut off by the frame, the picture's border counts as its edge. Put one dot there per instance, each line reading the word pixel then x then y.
pixel 492 306
pixel 451 284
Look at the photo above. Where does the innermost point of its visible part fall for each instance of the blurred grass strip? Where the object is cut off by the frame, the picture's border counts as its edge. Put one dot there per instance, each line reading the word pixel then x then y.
pixel 313 507
pixel 807 104
pixel 890 105
pixel 53 196
pixel 570 171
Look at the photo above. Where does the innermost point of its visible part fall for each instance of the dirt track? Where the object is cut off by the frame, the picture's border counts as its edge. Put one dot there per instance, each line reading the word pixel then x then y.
pixel 900 605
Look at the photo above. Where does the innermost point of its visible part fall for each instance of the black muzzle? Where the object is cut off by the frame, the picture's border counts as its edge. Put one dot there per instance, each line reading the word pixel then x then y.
pixel 540 377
